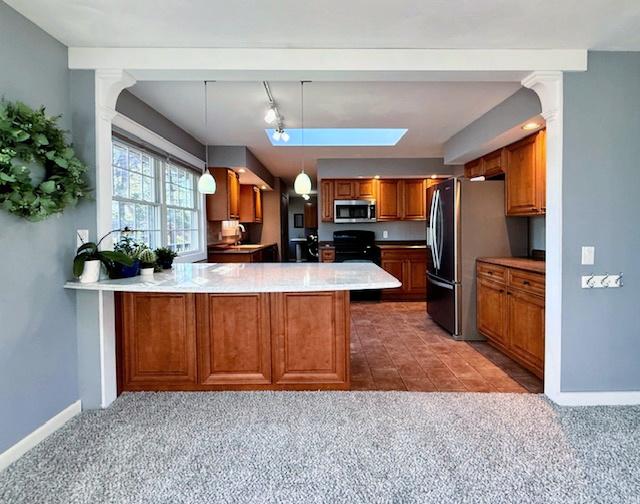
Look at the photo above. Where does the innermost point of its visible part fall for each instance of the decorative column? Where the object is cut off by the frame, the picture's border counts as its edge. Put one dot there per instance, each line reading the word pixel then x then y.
pixel 95 310
pixel 548 86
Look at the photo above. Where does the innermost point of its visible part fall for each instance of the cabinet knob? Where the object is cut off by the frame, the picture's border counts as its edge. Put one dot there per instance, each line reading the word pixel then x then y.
pixel 525 282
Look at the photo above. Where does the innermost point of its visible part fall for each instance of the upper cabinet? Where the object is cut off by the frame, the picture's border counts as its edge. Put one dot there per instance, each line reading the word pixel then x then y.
pixel 389 203
pixel 523 165
pixel 526 173
pixel 326 196
pixel 344 189
pixel 366 189
pixel 250 204
pixel 415 196
pixel 225 203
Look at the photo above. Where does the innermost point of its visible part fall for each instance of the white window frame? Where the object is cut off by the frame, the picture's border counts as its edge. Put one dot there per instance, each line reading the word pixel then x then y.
pixel 146 135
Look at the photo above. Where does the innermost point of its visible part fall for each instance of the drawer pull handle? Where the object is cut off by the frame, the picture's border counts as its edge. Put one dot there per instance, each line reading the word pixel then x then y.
pixel 490 272
pixel 525 282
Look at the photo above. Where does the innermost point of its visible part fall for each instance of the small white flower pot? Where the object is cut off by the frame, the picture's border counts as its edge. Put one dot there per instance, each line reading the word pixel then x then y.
pixel 146 272
pixel 91 272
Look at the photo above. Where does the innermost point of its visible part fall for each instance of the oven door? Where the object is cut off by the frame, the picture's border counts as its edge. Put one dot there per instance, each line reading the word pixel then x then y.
pixel 354 211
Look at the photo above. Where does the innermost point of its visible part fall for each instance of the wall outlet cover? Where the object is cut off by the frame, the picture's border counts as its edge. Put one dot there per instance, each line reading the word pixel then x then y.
pixel 385 234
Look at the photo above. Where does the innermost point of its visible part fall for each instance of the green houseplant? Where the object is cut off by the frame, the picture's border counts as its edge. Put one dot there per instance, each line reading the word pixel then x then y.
pixel 147 259
pixel 165 257
pixel 128 246
pixel 89 258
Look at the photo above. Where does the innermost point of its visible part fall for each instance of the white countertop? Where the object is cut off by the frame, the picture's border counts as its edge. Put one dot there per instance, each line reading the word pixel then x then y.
pixel 225 278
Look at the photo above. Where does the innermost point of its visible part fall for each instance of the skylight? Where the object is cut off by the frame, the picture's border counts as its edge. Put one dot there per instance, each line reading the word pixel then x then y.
pixel 339 137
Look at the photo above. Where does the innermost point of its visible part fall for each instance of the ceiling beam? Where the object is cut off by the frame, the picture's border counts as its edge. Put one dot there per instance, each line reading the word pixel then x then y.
pixel 350 64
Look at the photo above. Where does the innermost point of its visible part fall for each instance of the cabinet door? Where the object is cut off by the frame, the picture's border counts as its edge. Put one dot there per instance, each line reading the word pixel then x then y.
pixel 344 189
pixel 494 164
pixel 258 204
pixel 415 196
pixel 416 274
pixel 389 204
pixel 310 215
pixel 366 189
pixel 395 266
pixel 521 181
pixel 311 338
pixel 526 329
pixel 159 340
pixel 234 339
pixel 491 308
pixel 473 168
pixel 326 196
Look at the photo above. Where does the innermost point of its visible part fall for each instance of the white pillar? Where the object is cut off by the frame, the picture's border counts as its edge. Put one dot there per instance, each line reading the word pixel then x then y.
pixel 97 366
pixel 548 86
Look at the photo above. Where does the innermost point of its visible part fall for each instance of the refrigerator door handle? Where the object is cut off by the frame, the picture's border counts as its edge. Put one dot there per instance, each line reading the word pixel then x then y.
pixel 440 221
pixel 434 228
pixel 441 284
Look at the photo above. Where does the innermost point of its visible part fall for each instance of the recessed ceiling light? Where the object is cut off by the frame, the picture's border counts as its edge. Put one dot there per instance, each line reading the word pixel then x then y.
pixel 264 187
pixel 376 176
pixel 530 126
pixel 434 176
pixel 241 170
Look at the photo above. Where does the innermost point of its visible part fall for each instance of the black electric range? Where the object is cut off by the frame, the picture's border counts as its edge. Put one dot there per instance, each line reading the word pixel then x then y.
pixel 357 246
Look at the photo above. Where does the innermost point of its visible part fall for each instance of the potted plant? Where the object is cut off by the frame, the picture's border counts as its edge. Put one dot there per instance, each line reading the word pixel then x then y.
pixel 147 259
pixel 89 257
pixel 165 257
pixel 130 248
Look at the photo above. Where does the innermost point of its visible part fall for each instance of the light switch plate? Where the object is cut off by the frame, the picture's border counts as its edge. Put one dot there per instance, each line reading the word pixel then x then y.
pixel 385 234
pixel 82 236
pixel 588 255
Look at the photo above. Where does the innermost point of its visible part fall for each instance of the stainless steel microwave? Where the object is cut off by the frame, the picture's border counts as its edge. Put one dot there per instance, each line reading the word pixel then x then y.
pixel 354 211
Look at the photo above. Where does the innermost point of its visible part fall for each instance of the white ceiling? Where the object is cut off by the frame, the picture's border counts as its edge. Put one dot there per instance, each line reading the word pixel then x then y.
pixel 450 24
pixel 432 112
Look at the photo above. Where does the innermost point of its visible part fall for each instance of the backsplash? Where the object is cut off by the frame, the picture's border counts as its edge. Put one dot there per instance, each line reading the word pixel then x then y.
pixel 397 230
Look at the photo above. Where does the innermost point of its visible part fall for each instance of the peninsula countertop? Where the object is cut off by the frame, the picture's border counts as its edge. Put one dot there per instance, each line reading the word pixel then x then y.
pixel 226 278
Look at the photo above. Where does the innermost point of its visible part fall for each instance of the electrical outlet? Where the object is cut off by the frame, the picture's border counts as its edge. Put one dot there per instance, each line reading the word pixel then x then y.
pixel 588 255
pixel 82 236
pixel 385 234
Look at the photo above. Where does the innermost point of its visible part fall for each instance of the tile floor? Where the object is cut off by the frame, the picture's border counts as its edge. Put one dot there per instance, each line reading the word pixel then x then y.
pixel 396 346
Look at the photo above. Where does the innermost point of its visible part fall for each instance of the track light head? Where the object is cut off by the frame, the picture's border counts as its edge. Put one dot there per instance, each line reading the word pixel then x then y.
pixel 270 116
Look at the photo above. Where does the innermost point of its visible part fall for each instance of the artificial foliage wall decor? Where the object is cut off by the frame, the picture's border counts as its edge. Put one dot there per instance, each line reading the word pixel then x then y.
pixel 40 174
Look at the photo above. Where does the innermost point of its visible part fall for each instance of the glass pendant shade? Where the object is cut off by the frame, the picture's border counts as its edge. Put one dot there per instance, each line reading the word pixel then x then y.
pixel 302 184
pixel 206 183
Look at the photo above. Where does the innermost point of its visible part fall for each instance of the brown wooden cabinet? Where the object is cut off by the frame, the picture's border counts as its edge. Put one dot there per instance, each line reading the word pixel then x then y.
pixel 266 254
pixel 409 265
pixel 415 199
pixel 473 168
pixel 327 254
pixel 247 341
pixel 326 197
pixel 526 174
pixel 510 312
pixel 344 189
pixel 311 338
pixel 225 203
pixel 389 204
pixel 494 164
pixel 366 189
pixel 158 344
pixel 234 339
pixel 310 215
pixel 250 204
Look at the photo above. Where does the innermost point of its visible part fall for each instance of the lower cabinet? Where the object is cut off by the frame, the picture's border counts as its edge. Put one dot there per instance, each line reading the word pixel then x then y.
pixel 409 265
pixel 261 341
pixel 510 313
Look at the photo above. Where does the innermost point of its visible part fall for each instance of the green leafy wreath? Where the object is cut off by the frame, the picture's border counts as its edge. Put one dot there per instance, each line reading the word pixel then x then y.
pixel 30 138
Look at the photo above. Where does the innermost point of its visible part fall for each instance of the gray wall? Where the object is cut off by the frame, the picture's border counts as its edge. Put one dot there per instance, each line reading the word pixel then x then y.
pixel 134 108
pixel 351 168
pixel 233 156
pixel 469 141
pixel 537 238
pixel 601 184
pixel 38 368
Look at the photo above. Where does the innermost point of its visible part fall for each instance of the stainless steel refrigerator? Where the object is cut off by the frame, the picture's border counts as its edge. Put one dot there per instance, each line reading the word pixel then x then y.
pixel 466 220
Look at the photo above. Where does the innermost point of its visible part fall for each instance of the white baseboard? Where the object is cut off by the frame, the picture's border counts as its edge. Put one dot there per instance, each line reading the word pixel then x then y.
pixel 12 454
pixel 627 398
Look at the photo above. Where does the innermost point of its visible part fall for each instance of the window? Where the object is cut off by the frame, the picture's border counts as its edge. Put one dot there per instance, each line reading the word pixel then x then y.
pixel 156 198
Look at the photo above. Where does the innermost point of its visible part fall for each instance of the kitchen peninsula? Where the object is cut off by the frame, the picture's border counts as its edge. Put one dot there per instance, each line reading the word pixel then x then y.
pixel 262 326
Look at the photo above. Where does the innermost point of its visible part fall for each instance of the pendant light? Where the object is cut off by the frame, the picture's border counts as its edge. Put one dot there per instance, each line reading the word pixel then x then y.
pixel 302 183
pixel 206 183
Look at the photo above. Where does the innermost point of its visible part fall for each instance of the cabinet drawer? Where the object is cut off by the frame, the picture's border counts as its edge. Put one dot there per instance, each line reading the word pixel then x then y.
pixel 327 254
pixel 527 281
pixel 492 272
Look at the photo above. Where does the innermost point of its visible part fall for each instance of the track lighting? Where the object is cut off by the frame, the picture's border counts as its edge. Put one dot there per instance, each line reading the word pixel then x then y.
pixel 277 135
pixel 285 136
pixel 270 116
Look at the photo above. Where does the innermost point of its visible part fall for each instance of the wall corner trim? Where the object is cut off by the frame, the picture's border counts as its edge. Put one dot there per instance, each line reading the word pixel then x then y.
pixel 30 441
